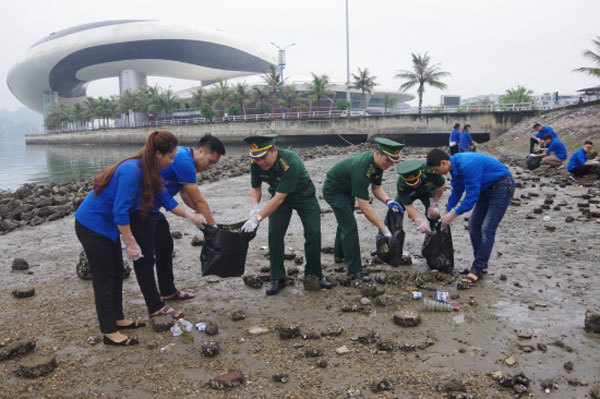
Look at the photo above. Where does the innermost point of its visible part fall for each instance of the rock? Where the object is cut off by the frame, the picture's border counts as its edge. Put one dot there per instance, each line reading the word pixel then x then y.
pixel 385 346
pixel 313 353
pixel 327 250
pixel 258 330
pixel 382 385
pixel 369 338
pixel 93 340
pixel 210 349
pixel 288 332
pixel 177 235
pixel 592 321
pixel 253 281
pixel 311 283
pixel 525 334
pixel 354 394
pixel 510 361
pixel 385 300
pixel 595 391
pixel 299 260
pixel 370 290
pixel 342 350
pixel 198 240
pixel 365 301
pixel 281 377
pixel 503 277
pixel 344 280
pixel 516 202
pixel 454 385
pixel 542 347
pixel 547 384
pixel 311 335
pixel 322 364
pixel 36 366
pixel 211 328
pixel 352 307
pixel 17 348
pixel 20 264
pixel 238 315
pixel 339 268
pixel 293 271
pixel 161 323
pixel 550 227
pixel 5 342
pixel 538 210
pixel 529 216
pixel 463 286
pixel 568 366
pixel 23 292
pixel 407 319
pixel 83 268
pixel 332 331
pixel 233 379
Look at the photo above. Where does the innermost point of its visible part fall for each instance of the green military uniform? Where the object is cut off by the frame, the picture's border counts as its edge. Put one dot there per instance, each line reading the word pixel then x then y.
pixel 289 176
pixel 346 181
pixel 415 181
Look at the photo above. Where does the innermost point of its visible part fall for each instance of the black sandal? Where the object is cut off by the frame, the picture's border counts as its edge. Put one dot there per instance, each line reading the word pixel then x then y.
pixel 176 296
pixel 135 324
pixel 467 270
pixel 128 342
pixel 467 282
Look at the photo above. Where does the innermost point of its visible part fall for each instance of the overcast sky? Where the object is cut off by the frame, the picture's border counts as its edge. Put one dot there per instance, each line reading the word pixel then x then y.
pixel 487 46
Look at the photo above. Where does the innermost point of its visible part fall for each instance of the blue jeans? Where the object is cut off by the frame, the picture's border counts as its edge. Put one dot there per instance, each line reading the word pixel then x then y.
pixel 486 217
pixel 463 149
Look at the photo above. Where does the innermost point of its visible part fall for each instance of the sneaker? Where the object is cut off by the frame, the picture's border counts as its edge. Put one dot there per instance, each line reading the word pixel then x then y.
pixel 562 165
pixel 573 178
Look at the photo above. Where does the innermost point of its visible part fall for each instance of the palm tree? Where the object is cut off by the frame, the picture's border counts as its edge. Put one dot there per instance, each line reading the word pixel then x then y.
pixel 198 97
pixel 221 92
pixel 128 104
pixel 260 94
pixel 272 79
pixel 240 96
pixel 167 102
pixel 318 90
pixel 389 102
pixel 364 83
pixel 595 57
pixel 291 97
pixel 518 95
pixel 422 73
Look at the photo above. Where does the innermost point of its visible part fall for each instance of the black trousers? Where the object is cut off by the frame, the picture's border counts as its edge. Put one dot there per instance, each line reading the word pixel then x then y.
pixel 583 170
pixel 154 238
pixel 106 265
pixel 533 142
pixel 454 149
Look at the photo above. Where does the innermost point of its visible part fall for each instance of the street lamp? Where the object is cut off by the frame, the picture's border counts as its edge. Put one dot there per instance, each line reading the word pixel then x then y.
pixel 281 58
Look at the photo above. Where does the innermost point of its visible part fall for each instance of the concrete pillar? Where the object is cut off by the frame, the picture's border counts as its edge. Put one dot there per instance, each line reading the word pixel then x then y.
pixel 49 101
pixel 132 80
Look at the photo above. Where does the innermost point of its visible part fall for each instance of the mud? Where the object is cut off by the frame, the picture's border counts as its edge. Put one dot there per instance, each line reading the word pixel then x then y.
pixel 551 280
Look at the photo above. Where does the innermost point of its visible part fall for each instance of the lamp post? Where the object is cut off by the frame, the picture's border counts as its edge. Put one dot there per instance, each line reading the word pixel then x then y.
pixel 348 62
pixel 281 59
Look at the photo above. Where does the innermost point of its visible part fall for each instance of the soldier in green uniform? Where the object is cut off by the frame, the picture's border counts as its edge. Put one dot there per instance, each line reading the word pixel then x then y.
pixel 349 180
pixel 291 189
pixel 415 181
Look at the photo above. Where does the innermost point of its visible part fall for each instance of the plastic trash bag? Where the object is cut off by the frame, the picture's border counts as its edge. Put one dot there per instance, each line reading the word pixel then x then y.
pixel 389 250
pixel 224 250
pixel 533 162
pixel 438 250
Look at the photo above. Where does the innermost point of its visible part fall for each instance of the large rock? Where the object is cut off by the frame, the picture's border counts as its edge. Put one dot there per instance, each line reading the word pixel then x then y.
pixel 210 349
pixel 232 379
pixel 253 281
pixel 24 292
pixel 592 321
pixel 17 348
pixel 37 366
pixel 311 283
pixel 407 319
pixel 161 323
pixel 20 264
pixel 211 328
pixel 288 332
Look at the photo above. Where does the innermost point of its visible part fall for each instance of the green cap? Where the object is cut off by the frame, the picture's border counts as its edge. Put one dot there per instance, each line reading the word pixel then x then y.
pixel 411 171
pixel 259 145
pixel 389 148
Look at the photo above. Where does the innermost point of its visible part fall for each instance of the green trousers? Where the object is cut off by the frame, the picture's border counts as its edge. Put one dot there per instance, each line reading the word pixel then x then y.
pixel 307 207
pixel 347 244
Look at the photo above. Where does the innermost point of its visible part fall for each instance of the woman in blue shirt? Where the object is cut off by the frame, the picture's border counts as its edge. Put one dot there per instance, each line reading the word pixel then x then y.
pixel 465 139
pixel 454 138
pixel 119 189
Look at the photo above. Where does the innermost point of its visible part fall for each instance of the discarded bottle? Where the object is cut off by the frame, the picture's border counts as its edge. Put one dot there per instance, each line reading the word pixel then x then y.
pixel 416 295
pixel 434 306
pixel 441 296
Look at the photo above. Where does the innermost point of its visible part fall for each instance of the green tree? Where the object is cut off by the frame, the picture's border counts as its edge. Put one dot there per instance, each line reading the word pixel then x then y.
pixel 389 102
pixel 239 95
pixel 221 94
pixel 423 73
pixel 365 83
pixel 129 103
pixel 198 97
pixel 518 95
pixel 167 102
pixel 595 57
pixel 291 97
pixel 341 105
pixel 261 97
pixel 272 79
pixel 318 90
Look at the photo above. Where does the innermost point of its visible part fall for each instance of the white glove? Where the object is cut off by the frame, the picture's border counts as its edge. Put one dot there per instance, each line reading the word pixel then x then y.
pixel 475 145
pixel 433 211
pixel 423 226
pixel 197 218
pixel 448 218
pixel 452 143
pixel 254 210
pixel 250 225
pixel 133 250
pixel 386 232
pixel 595 163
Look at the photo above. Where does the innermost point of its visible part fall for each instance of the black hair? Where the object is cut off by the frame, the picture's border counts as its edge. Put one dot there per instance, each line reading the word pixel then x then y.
pixel 536 125
pixel 588 142
pixel 467 126
pixel 436 156
pixel 456 125
pixel 548 136
pixel 212 144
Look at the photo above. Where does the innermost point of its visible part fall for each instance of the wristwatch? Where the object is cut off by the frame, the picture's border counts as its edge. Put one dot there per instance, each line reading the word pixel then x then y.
pixel 258 217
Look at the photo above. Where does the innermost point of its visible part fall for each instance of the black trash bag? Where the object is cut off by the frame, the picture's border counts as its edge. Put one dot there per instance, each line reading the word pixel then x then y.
pixel 438 250
pixel 224 250
pixel 533 162
pixel 389 250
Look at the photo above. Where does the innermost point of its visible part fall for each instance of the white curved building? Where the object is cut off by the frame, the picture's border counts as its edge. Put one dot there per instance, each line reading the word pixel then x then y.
pixel 58 68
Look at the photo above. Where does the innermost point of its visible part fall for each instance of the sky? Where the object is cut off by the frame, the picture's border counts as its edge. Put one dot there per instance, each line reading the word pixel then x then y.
pixel 488 46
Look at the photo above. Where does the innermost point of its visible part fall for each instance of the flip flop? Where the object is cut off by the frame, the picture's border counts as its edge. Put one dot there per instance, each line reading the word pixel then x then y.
pixel 467 282
pixel 166 312
pixel 135 324
pixel 176 296
pixel 467 270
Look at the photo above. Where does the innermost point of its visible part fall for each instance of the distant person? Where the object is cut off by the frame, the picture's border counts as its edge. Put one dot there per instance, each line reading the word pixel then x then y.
pixel 466 140
pixel 580 165
pixel 454 139
pixel 348 181
pixel 555 154
pixel 580 101
pixel 538 137
pixel 488 187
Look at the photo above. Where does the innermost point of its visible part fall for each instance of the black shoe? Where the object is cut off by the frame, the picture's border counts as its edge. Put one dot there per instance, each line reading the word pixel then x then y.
pixel 135 324
pixel 275 287
pixel 361 277
pixel 325 284
pixel 338 259
pixel 128 342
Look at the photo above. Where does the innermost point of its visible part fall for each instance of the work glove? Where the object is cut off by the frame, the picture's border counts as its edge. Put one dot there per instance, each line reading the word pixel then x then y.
pixel 433 211
pixel 452 143
pixel 386 232
pixel 133 250
pixel 595 163
pixel 394 206
pixel 250 225
pixel 448 218
pixel 197 218
pixel 423 226
pixel 254 210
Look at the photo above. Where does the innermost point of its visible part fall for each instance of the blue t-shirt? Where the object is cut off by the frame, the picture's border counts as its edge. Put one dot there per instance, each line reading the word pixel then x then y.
pixel 578 158
pixel 472 173
pixel 455 136
pixel 181 171
pixel 559 149
pixel 102 213
pixel 465 139
pixel 544 131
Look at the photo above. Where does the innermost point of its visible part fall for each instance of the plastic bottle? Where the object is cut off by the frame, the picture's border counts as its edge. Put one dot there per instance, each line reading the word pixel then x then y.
pixel 434 306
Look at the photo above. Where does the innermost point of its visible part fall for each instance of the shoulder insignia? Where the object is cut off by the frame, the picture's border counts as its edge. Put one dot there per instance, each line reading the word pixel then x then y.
pixel 284 164
pixel 377 176
pixel 369 171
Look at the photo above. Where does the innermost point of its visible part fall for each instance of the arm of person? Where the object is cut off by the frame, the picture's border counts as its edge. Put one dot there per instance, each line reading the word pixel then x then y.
pixel 472 189
pixel 458 188
pixel 379 193
pixel 191 195
pixel 536 138
pixel 370 214
pixel 438 193
pixel 412 212
pixel 272 205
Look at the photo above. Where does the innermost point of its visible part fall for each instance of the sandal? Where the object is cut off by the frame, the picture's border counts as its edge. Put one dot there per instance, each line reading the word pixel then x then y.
pixel 167 311
pixel 134 324
pixel 128 342
pixel 176 296
pixel 467 282
pixel 467 270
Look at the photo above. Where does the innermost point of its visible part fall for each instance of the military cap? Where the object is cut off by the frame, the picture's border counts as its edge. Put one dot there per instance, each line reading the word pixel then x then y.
pixel 259 145
pixel 411 171
pixel 389 148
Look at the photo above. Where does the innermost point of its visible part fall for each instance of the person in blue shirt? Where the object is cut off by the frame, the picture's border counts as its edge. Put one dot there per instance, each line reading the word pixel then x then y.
pixel 133 183
pixel 556 152
pixel 152 231
pixel 488 189
pixel 465 139
pixel 580 165
pixel 454 138
pixel 538 137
